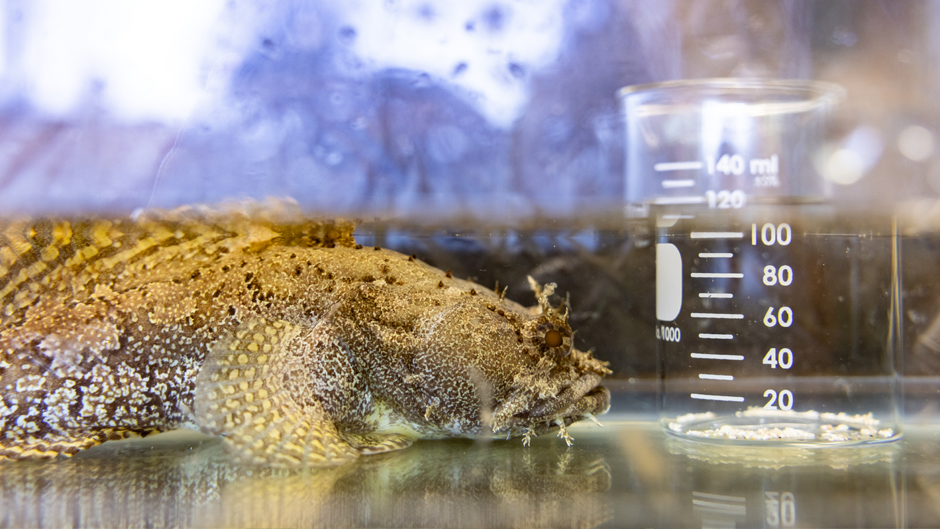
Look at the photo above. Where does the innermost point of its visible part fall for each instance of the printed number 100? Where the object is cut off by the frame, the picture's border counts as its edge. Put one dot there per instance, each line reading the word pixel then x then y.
pixel 771 234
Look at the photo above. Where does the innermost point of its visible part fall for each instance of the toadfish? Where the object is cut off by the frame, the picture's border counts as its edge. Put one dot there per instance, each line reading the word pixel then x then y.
pixel 279 334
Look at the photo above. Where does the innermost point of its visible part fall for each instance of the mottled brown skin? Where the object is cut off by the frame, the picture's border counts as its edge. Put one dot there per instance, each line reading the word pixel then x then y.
pixel 295 345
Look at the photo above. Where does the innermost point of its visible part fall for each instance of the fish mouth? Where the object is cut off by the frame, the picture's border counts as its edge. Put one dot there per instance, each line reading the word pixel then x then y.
pixel 576 397
pixel 584 397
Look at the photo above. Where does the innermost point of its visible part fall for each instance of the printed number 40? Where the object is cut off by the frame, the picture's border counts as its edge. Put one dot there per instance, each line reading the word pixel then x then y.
pixel 782 358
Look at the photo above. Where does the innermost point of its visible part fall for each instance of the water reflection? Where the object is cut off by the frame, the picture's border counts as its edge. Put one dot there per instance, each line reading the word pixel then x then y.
pixel 735 485
pixel 627 474
pixel 781 457
pixel 187 481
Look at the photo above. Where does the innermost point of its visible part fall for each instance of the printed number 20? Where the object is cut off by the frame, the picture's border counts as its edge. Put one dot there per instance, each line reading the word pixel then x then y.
pixel 784 400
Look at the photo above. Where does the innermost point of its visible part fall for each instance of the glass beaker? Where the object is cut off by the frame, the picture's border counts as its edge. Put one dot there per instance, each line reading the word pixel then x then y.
pixel 776 310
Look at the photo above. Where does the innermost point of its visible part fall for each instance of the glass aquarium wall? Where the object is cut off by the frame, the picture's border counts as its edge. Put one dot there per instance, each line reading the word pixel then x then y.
pixel 485 137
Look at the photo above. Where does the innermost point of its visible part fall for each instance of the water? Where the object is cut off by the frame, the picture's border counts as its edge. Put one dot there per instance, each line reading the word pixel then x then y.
pixel 920 252
pixel 630 473
pixel 777 323
pixel 840 356
pixel 626 474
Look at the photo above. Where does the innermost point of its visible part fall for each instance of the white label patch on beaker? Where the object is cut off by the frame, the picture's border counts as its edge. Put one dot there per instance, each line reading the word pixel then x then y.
pixel 668 282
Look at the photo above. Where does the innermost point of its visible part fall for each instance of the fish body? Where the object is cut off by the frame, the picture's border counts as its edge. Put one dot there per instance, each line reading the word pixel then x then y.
pixel 281 335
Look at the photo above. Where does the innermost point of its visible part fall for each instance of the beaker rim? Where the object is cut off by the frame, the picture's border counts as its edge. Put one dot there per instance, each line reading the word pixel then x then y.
pixel 820 92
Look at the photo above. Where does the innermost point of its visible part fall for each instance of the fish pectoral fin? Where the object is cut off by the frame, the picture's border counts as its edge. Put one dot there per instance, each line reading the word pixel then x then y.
pixel 376 443
pixel 240 396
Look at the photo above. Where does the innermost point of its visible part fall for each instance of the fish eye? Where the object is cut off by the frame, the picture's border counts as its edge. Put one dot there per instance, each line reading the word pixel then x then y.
pixel 553 338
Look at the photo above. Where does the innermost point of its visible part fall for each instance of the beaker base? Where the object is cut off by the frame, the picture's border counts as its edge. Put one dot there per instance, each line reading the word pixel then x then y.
pixel 776 427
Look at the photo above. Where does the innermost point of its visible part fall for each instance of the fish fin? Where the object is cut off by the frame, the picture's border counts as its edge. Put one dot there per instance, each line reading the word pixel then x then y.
pixel 251 224
pixel 241 396
pixel 68 443
pixel 50 445
pixel 376 443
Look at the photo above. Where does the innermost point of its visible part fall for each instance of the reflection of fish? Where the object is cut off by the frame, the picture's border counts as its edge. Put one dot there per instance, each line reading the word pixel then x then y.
pixel 283 336
pixel 435 484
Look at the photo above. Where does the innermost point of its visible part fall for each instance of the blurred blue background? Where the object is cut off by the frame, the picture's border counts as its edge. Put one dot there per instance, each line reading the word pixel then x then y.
pixel 424 107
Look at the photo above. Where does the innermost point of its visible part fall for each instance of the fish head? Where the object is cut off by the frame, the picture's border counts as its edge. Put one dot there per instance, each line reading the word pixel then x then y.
pixel 507 370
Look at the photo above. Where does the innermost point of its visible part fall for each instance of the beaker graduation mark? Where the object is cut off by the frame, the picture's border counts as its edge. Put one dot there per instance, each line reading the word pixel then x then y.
pixel 724 398
pixel 716 235
pixel 677 217
pixel 717 315
pixel 677 166
pixel 708 356
pixel 715 377
pixel 670 184
pixel 667 201
pixel 707 336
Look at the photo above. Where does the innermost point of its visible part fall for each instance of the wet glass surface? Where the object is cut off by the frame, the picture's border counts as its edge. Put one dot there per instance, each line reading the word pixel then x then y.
pixel 300 101
pixel 626 474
